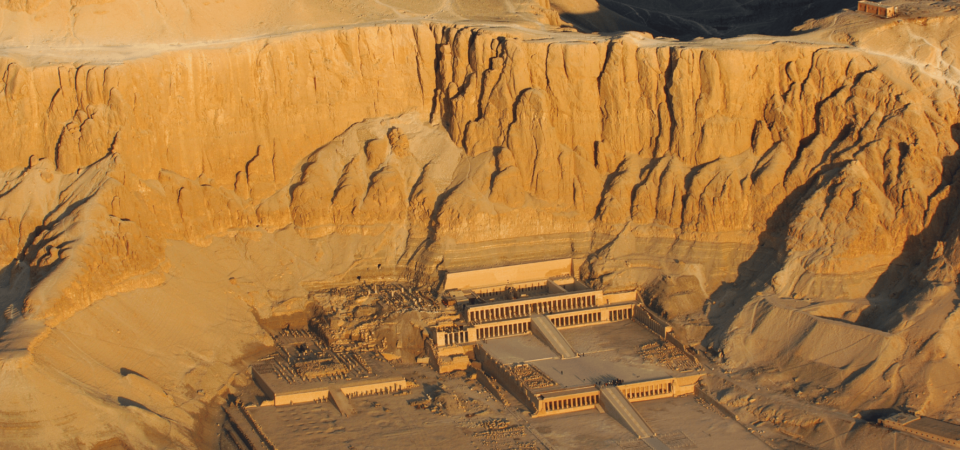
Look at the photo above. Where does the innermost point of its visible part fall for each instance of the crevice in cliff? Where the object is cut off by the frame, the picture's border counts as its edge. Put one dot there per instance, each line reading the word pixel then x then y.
pixel 668 81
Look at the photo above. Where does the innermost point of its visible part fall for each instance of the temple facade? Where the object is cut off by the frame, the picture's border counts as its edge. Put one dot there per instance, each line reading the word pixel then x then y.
pixel 501 312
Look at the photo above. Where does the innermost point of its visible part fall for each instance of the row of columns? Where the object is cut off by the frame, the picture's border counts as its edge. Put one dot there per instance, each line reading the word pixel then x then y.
pixel 383 390
pixel 649 390
pixel 621 314
pixel 652 324
pixel 462 337
pixel 456 337
pixel 525 289
pixel 503 330
pixel 568 403
pixel 579 319
pixel 503 312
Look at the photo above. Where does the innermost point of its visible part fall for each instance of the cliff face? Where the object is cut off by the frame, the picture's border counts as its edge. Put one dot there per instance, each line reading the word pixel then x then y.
pixel 839 153
pixel 699 144
pixel 798 169
pixel 261 104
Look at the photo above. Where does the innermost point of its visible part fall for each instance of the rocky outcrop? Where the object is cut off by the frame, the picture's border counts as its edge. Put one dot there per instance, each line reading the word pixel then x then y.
pixel 709 158
pixel 805 171
pixel 828 150
pixel 256 108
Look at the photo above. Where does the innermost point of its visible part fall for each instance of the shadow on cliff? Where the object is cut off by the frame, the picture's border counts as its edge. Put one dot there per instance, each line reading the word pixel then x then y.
pixel 905 275
pixel 688 19
pixel 756 273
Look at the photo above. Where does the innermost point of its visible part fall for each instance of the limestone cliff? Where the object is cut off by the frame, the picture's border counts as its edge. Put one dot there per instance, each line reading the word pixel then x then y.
pixel 752 169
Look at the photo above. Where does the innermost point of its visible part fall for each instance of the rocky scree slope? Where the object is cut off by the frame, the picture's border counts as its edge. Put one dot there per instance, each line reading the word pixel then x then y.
pixel 809 171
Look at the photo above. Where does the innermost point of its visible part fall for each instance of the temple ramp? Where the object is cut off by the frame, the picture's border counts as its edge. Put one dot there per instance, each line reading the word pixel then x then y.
pixel 342 402
pixel 655 443
pixel 543 329
pixel 618 407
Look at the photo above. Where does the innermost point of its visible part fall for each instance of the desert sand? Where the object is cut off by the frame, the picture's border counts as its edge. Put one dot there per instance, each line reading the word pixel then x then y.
pixel 181 180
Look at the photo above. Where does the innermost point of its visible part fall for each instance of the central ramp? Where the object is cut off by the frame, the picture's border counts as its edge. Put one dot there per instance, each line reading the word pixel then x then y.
pixel 543 329
pixel 343 403
pixel 618 407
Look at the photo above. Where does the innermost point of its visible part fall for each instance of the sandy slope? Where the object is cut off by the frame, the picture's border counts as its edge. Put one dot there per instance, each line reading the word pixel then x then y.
pixel 773 195
pixel 147 371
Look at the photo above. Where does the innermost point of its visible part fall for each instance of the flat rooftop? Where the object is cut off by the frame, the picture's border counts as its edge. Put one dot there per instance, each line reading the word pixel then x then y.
pixel 610 351
pixel 467 416
pixel 936 427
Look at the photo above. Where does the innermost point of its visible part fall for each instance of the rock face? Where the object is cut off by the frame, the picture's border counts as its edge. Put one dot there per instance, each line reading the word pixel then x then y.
pixel 747 170
pixel 256 108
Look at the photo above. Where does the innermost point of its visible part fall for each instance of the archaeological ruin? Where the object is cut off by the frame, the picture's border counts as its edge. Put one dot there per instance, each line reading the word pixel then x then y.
pixel 531 333
pixel 304 370
pixel 480 224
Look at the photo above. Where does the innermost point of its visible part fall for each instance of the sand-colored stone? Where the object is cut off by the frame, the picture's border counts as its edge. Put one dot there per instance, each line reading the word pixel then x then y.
pixel 818 171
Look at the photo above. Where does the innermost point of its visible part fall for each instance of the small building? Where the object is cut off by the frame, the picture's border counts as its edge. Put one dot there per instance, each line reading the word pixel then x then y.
pixel 930 429
pixel 877 9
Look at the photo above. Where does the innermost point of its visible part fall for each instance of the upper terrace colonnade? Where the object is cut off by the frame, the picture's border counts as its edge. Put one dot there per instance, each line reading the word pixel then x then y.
pixel 512 309
pixel 498 302
pixel 521 325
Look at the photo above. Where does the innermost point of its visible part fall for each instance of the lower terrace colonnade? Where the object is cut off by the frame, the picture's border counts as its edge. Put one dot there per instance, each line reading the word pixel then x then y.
pixel 589 399
pixel 647 390
pixel 631 392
